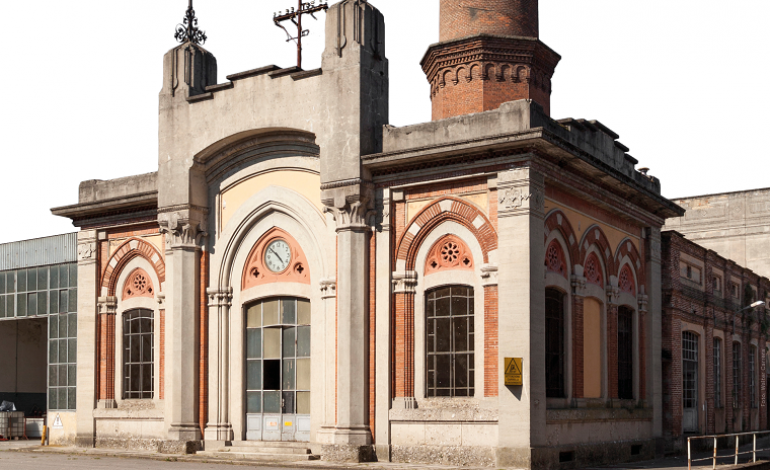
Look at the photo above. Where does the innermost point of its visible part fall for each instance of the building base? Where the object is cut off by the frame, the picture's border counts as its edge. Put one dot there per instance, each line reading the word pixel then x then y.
pixel 341 453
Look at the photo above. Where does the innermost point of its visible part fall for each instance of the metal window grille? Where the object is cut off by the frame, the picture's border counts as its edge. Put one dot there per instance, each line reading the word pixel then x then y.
pixel 736 374
pixel 718 373
pixel 625 353
pixel 689 370
pixel 138 354
pixel 554 343
pixel 752 376
pixel 450 342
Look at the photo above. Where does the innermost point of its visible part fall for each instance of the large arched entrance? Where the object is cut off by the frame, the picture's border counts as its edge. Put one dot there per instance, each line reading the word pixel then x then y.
pixel 277 360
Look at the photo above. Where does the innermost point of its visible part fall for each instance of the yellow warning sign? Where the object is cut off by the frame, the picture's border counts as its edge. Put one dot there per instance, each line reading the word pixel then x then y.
pixel 513 374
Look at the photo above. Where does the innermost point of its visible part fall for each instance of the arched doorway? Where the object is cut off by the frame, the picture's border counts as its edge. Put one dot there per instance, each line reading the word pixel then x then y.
pixel 277 359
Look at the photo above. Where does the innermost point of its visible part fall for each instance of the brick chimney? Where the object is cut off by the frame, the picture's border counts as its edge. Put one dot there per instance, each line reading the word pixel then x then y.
pixel 489 53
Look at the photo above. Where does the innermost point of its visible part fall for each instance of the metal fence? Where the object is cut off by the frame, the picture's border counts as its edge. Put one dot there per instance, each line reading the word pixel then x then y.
pixel 734 456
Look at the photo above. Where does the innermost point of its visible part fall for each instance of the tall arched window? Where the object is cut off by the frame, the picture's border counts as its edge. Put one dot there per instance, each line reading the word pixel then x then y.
pixel 625 353
pixel 449 342
pixel 554 343
pixel 138 354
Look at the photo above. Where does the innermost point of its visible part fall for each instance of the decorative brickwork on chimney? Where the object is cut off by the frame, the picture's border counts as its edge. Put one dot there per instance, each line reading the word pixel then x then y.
pixel 489 54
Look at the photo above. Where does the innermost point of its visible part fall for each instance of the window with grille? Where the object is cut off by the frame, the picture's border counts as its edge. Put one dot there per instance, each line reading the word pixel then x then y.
pixel 138 354
pixel 736 375
pixel 625 353
pixel 690 370
pixel 718 373
pixel 449 342
pixel 554 343
pixel 753 376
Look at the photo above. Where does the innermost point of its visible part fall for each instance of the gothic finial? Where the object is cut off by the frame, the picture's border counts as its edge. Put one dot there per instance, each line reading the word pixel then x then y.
pixel 188 29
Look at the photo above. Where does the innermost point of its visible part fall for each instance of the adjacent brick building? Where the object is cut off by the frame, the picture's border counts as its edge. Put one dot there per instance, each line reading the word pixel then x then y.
pixel 714 345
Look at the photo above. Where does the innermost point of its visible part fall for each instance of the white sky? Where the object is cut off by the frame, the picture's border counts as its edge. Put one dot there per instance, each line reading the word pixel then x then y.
pixel 684 83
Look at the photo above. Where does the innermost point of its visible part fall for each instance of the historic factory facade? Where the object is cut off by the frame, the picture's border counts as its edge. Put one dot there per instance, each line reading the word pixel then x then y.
pixel 299 271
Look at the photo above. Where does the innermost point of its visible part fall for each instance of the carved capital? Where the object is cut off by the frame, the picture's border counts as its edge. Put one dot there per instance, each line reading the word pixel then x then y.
pixel 107 305
pixel 220 297
pixel 521 191
pixel 161 299
pixel 87 251
pixel 382 214
pixel 351 206
pixel 578 285
pixel 489 275
pixel 405 282
pixel 643 300
pixel 328 288
pixel 181 231
pixel 613 295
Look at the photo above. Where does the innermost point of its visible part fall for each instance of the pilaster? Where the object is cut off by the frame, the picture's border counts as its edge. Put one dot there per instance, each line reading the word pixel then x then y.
pixel 107 307
pixel 652 356
pixel 351 207
pixel 578 296
pixel 383 351
pixel 219 427
pixel 88 280
pixel 521 428
pixel 613 294
pixel 184 233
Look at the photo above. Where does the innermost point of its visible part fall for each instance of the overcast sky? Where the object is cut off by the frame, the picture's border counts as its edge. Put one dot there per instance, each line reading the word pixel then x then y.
pixel 684 83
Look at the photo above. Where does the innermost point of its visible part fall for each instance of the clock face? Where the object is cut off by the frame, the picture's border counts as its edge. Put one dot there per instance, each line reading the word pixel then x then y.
pixel 277 256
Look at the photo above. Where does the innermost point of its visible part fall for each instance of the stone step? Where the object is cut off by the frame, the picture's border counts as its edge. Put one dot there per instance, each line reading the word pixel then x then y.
pixel 257 456
pixel 266 450
pixel 281 444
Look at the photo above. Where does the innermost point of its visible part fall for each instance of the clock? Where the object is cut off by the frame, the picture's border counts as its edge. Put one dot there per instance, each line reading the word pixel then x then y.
pixel 277 256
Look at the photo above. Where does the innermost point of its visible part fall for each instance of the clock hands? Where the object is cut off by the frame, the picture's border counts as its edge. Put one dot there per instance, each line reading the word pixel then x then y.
pixel 276 255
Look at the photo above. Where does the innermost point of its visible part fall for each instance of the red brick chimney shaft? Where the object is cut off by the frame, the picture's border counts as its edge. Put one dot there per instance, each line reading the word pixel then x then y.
pixel 489 54
pixel 463 18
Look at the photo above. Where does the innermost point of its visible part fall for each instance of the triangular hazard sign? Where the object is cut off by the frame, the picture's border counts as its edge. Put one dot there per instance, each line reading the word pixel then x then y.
pixel 513 368
pixel 57 424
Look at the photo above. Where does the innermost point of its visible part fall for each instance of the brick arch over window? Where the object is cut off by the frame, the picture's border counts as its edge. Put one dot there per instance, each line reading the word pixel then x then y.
pixel 627 248
pixel 556 220
pixel 444 209
pixel 595 236
pixel 129 250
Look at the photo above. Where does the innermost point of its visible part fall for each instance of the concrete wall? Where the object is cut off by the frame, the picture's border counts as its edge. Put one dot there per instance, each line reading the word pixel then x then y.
pixel 735 225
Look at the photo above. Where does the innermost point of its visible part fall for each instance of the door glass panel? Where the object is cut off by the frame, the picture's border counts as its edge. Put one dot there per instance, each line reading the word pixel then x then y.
pixel 253 343
pixel 254 317
pixel 272 343
pixel 288 374
pixel 303 403
pixel 303 312
pixel 303 341
pixel 303 374
pixel 253 402
pixel 272 402
pixel 289 340
pixel 289 311
pixel 288 403
pixel 254 375
pixel 270 313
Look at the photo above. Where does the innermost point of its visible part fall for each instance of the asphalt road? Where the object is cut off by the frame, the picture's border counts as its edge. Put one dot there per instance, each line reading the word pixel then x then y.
pixel 40 461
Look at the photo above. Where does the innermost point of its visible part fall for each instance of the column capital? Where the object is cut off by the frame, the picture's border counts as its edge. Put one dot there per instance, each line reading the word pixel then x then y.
pixel 643 299
pixel 87 247
pixel 613 295
pixel 351 203
pixel 521 191
pixel 489 275
pixel 382 211
pixel 404 282
pixel 578 285
pixel 220 297
pixel 328 289
pixel 182 230
pixel 107 305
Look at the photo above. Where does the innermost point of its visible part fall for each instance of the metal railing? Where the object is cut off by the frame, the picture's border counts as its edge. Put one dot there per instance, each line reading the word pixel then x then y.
pixel 714 458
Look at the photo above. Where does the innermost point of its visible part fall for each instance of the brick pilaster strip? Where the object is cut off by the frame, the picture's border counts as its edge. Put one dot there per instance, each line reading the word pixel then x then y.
pixel 577 346
pixel 612 350
pixel 491 342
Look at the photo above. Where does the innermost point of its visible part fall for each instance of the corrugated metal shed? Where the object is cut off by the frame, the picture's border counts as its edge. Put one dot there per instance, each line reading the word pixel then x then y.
pixel 39 252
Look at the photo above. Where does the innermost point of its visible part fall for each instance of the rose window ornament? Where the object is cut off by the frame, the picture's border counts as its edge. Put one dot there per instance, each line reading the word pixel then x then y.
pixel 593 272
pixel 450 252
pixel 554 260
pixel 138 285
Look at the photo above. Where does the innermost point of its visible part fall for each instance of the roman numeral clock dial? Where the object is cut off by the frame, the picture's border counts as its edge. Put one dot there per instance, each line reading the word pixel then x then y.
pixel 278 256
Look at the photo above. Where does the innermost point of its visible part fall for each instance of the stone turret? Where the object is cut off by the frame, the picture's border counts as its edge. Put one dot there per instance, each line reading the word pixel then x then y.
pixel 490 53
